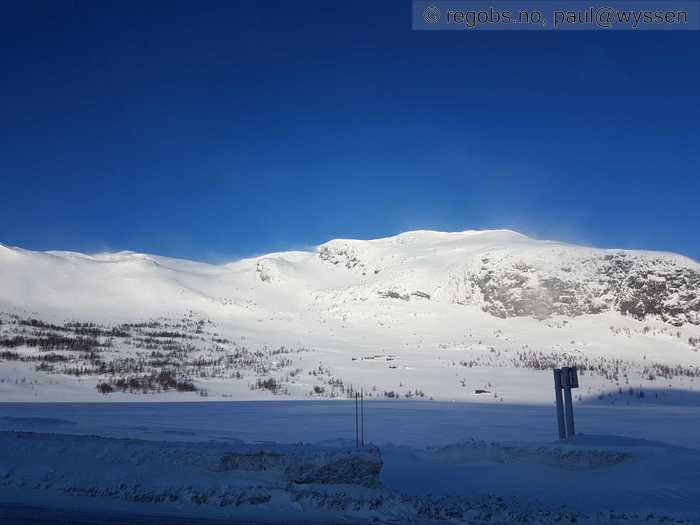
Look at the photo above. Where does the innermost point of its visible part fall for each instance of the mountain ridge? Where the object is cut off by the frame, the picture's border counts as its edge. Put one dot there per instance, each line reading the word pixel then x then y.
pixel 448 315
pixel 504 272
pixel 398 238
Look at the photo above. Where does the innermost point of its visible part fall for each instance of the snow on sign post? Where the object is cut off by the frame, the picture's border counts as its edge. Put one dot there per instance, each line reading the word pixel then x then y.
pixel 565 379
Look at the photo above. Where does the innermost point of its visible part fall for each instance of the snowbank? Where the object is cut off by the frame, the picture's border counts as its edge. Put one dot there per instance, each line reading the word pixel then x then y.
pixel 323 483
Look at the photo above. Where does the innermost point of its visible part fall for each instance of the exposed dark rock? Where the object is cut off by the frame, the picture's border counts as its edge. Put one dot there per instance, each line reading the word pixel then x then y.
pixel 632 285
pixel 343 256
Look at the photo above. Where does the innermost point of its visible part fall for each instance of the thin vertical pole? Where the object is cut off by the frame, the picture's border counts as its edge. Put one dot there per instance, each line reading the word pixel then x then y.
pixel 560 405
pixel 570 431
pixel 362 418
pixel 357 433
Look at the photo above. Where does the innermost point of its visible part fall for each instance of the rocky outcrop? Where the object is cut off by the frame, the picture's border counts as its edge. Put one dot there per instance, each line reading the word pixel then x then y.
pixel 630 284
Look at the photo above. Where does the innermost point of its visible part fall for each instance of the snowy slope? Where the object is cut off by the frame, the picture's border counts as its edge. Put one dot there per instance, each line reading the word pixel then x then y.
pixel 424 313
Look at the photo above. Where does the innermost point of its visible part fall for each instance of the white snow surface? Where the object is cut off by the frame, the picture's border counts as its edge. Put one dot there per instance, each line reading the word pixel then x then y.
pixel 416 321
pixel 296 462
pixel 414 314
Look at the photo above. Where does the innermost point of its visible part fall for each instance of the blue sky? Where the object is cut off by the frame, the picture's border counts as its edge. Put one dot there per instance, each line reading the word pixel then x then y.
pixel 215 130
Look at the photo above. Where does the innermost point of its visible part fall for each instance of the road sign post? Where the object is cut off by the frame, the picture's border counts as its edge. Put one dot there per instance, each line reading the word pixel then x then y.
pixel 565 379
pixel 560 403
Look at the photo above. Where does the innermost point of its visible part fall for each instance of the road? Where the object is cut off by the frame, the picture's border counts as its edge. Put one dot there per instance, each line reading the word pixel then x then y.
pixel 29 515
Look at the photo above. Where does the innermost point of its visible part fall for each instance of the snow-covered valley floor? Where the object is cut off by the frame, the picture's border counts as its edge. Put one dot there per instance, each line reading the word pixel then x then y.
pixel 295 461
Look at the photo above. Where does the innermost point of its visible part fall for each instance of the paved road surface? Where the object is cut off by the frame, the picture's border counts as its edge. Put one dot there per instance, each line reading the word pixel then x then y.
pixel 27 515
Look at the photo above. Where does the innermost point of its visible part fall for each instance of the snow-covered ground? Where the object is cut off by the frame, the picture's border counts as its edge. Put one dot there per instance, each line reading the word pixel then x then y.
pixel 451 336
pixel 423 314
pixel 290 461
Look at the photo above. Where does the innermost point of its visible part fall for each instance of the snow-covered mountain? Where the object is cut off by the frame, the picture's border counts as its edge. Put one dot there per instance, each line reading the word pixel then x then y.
pixel 423 313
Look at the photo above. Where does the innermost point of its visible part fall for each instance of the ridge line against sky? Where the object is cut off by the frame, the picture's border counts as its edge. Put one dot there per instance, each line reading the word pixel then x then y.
pixel 218 131
pixel 313 248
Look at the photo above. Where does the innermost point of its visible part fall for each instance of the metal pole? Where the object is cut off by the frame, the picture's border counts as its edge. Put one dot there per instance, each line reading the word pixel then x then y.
pixel 362 418
pixel 570 431
pixel 560 405
pixel 357 432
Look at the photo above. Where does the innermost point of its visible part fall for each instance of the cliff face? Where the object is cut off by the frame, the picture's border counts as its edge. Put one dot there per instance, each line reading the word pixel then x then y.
pixel 510 275
pixel 632 284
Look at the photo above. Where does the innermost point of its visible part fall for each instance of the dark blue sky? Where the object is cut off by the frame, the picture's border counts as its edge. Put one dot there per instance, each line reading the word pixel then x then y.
pixel 212 130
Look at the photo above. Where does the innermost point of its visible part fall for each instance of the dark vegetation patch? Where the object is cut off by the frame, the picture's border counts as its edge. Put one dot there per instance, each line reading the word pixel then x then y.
pixel 154 382
pixel 158 355
pixel 614 370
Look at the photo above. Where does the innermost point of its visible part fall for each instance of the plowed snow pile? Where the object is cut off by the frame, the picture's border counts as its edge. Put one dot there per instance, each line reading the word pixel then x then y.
pixel 283 483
